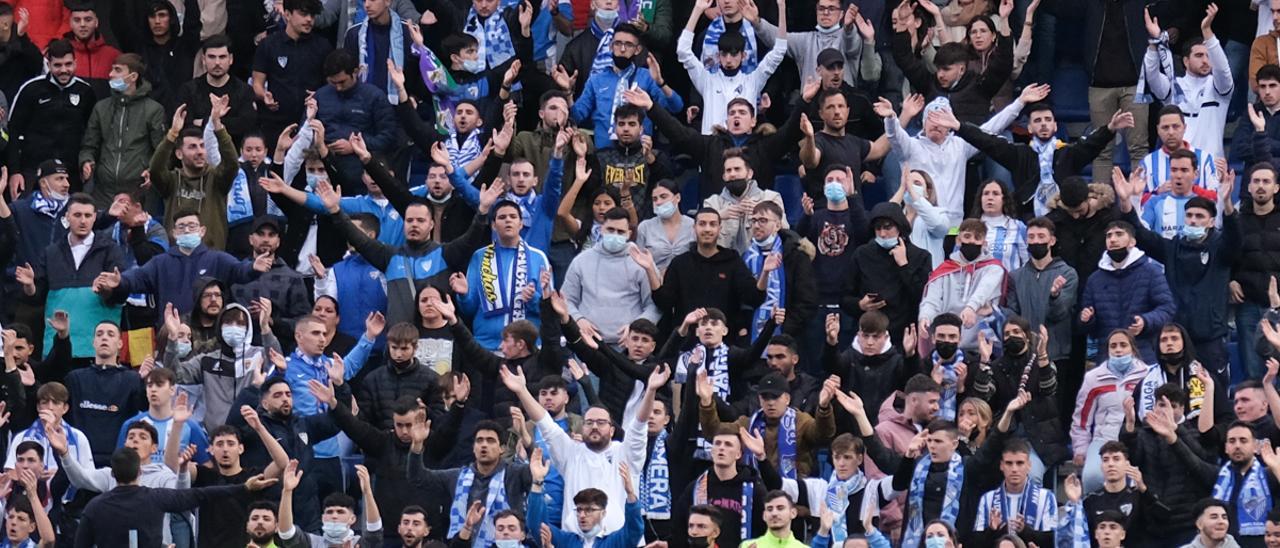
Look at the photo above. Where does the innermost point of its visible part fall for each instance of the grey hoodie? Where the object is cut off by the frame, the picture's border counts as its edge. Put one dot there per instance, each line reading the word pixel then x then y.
pixel 1198 542
pixel 609 289
pixel 216 376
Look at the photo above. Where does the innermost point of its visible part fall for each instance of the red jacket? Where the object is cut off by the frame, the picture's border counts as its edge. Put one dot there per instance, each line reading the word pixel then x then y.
pixel 50 19
pixel 93 58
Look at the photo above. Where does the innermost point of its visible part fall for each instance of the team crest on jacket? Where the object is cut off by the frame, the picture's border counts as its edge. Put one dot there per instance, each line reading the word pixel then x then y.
pixel 75 99
pixel 283 61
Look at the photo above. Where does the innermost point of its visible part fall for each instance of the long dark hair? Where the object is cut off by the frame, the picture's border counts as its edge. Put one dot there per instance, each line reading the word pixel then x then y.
pixel 1007 206
pixel 587 218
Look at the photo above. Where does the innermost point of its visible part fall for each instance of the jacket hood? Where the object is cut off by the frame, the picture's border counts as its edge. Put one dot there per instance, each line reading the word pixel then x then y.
pixel 174 25
pixel 143 92
pixel 857 347
pixel 1103 192
pixel 793 240
pixel 893 212
pixel 202 283
pixel 250 338
pixel 1136 257
pixel 1188 347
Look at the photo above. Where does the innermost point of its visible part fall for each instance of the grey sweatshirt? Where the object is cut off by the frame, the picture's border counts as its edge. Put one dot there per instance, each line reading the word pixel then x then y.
pixel 1029 297
pixel 609 289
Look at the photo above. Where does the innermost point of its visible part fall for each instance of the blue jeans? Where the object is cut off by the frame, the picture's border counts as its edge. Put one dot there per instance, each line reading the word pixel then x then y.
pixel 1247 317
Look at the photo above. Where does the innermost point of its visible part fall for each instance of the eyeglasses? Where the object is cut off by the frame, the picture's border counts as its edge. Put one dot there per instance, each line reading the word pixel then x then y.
pixel 186 228
pixel 624 44
pixel 761 220
pixel 597 422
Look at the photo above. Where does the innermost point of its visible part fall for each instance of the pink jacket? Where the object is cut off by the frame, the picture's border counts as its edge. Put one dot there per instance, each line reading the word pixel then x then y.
pixel 896 432
pixel 1100 404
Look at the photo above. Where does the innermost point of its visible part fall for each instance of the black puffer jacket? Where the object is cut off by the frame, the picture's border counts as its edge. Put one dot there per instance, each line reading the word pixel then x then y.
pixel 873 270
pixel 380 390
pixel 1259 252
pixel 1039 420
pixel 875 378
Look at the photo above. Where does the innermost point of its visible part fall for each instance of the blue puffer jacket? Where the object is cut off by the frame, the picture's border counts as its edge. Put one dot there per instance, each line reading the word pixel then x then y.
pixel 363 108
pixel 1136 288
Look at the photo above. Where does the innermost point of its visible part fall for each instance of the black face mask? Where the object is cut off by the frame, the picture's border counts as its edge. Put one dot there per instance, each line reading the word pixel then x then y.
pixel 736 187
pixel 1038 251
pixel 970 252
pixel 1015 346
pixel 730 72
pixel 1171 358
pixel 699 542
pixel 621 61
pixel 946 350
pixel 1118 255
pixel 400 365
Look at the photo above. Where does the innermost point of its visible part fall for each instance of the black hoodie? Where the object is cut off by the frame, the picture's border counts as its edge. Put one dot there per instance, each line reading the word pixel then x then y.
pixel 205 339
pixel 720 281
pixel 170 64
pixel 872 270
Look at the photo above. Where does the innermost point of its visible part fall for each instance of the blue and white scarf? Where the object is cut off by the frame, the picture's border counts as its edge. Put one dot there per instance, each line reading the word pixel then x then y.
pixel 493 36
pixel 499 290
pixel 46 206
pixel 947 406
pixel 1255 497
pixel 24 544
pixel 786 440
pixel 1048 187
pixel 527 204
pixel 367 58
pixel 748 497
pixel 711 47
pixel 655 483
pixel 626 79
pixel 775 292
pixel 463 155
pixel 915 497
pixel 604 54
pixel 716 361
pixel 240 202
pixel 494 503
pixel 1176 97
pixel 838 492
pixel 1073 528
pixel 37 434
pixel 1028 507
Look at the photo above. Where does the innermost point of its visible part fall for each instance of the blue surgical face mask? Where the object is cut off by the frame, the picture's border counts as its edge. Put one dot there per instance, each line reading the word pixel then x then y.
pixel 766 242
pixel 935 542
pixel 188 241
pixel 314 179
pixel 887 243
pixel 335 532
pixel 834 191
pixel 234 335
pixel 608 16
pixel 118 84
pixel 1120 364
pixel 1194 232
pixel 666 210
pixel 613 243
pixel 506 543
pixel 182 348
pixel 474 66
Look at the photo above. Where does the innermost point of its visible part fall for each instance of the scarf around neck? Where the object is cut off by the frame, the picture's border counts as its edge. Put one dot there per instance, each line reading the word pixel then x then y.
pixel 1048 187
pixel 494 37
pixel 655 483
pixel 500 288
pixel 838 492
pixel 711 46
pixel 775 291
pixel 604 54
pixel 915 497
pixel 495 502
pixel 786 440
pixel 1255 496
pixel 368 57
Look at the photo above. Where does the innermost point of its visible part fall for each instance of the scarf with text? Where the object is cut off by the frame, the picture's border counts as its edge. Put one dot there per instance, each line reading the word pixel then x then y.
pixel 786 441
pixel 501 290
pixel 915 497
pixel 1255 497
pixel 495 502
pixel 655 483
pixel 775 295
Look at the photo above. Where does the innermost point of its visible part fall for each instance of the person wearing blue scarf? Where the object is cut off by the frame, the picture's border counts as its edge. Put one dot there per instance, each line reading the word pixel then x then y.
pixel 604 90
pixel 590 505
pixel 1247 483
pixel 382 36
pixel 24 520
pixel 932 473
pixel 1019 505
pixel 735 489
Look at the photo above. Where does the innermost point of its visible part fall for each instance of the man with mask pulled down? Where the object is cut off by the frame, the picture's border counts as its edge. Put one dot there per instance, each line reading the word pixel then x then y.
pixel 738 199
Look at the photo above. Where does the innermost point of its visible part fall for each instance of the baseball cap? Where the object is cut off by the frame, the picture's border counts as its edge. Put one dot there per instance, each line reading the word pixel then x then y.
pixel 773 385
pixel 830 56
pixel 50 167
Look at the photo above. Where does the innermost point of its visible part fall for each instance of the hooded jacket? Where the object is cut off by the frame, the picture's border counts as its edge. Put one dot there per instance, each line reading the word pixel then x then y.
pixel 1040 422
pixel 66 287
pixel 720 281
pixel 1082 241
pixel 1117 293
pixel 1030 296
pixel 102 399
pixel 971 95
pixel 1099 413
pixel 20 60
pixel 123 133
pixel 216 375
pixel 48 20
pixel 873 270
pixel 170 64
pixel 958 284
pixel 93 56
pixel 204 339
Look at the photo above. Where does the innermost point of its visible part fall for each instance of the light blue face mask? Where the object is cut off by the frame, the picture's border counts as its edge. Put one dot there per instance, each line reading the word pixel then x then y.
pixel 334 532
pixel 608 16
pixel 234 335
pixel 613 243
pixel 834 192
pixel 474 66
pixel 188 241
pixel 118 84
pixel 887 243
pixel 1194 232
pixel 935 542
pixel 765 243
pixel 666 210
pixel 314 179
pixel 182 348
pixel 1120 364
pixel 506 543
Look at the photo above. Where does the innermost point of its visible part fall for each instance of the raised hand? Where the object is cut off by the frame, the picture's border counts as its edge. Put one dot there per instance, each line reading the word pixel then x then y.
pixel 538 466
pixel 291 477
pixel 563 79
pixel 1034 93
pixel 1258 120
pixel 1074 488
pixel 753 442
pixel 1206 24
pixel 883 108
pixel 1152 24
pixel 251 417
pixel 60 322
pixel 1120 120
pixel 638 97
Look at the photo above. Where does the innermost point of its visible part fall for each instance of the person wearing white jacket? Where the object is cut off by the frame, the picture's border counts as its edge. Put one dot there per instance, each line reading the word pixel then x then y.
pixel 1203 93
pixel 938 150
pixel 1100 404
pixel 731 79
